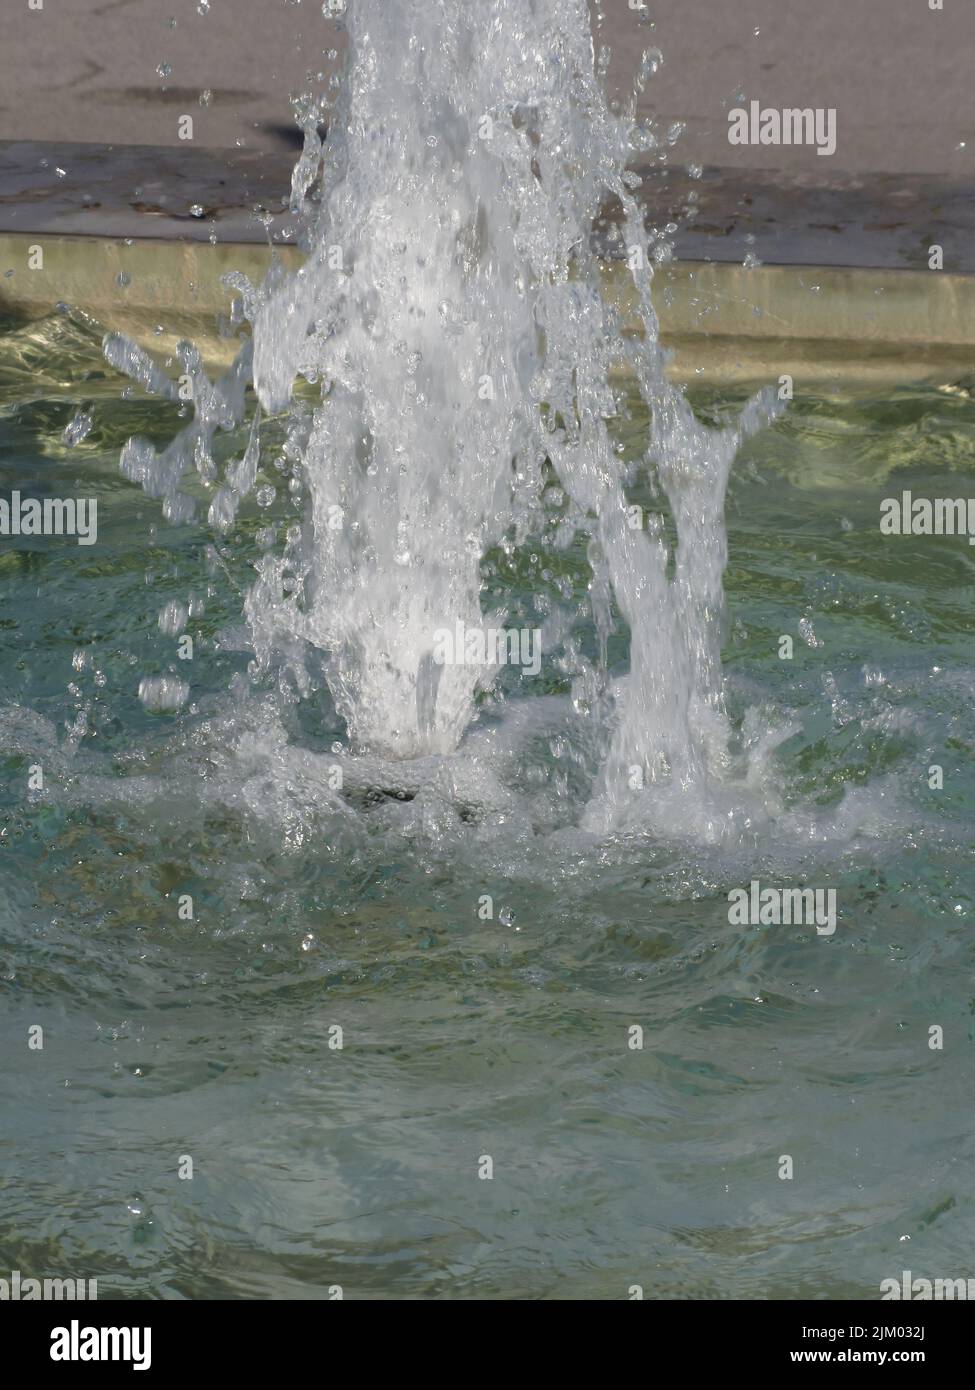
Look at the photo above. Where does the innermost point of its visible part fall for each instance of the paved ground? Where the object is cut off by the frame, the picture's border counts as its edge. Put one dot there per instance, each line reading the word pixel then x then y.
pixel 898 73
pixel 783 218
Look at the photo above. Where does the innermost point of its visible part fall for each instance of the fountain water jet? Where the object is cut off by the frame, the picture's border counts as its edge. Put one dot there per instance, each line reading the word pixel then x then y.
pixel 451 307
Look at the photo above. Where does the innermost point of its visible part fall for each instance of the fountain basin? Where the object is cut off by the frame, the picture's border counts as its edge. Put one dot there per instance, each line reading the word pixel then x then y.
pixel 724 323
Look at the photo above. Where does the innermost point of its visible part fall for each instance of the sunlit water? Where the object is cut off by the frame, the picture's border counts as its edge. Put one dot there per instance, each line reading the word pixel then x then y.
pixel 485 879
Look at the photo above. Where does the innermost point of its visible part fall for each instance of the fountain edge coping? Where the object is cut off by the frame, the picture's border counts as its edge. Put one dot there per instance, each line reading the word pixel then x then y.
pixel 723 322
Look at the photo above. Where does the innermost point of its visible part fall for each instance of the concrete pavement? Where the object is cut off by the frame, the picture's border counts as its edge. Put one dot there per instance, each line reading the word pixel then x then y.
pixel 123 71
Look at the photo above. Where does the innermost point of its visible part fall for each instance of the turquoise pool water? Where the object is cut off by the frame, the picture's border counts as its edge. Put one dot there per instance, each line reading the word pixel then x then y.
pixel 464 1037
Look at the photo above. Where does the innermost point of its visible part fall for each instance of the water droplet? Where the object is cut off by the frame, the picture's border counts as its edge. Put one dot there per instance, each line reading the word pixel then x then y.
pixel 77 427
pixel 650 65
pixel 808 633
pixel 161 693
pixel 172 618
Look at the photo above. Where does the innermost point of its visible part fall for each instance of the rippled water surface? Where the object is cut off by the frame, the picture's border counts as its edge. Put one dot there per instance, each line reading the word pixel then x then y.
pixel 465 1034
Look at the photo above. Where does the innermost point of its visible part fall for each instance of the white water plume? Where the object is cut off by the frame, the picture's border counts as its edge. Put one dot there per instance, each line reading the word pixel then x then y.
pixel 451 307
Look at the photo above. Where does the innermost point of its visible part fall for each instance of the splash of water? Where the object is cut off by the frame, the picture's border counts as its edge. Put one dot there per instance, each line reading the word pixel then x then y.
pixel 451 306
